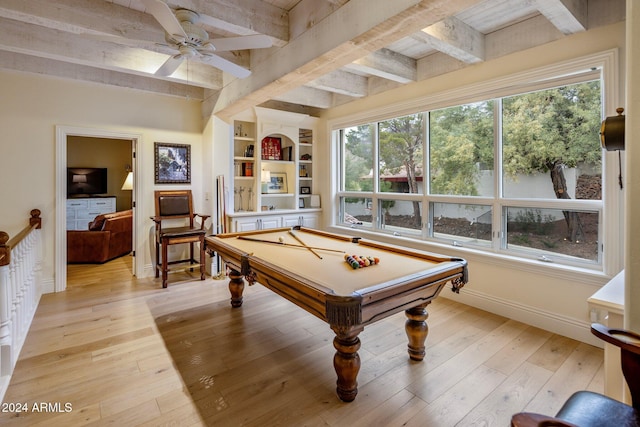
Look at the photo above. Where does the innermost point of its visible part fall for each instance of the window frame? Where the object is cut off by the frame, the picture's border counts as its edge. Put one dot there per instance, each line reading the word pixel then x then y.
pixel 602 65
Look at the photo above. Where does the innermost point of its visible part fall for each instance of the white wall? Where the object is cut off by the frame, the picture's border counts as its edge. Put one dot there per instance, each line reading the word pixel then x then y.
pixel 551 297
pixel 217 136
pixel 32 106
pixel 632 137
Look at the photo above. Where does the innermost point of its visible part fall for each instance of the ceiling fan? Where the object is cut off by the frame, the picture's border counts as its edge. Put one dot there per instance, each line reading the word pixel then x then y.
pixel 192 42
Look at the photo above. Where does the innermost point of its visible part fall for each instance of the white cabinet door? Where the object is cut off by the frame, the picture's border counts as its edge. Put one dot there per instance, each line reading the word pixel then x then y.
pixel 291 221
pixel 269 222
pixel 310 220
pixel 246 224
pixel 256 223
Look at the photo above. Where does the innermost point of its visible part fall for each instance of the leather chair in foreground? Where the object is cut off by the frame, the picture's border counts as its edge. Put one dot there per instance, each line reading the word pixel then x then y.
pixel 588 409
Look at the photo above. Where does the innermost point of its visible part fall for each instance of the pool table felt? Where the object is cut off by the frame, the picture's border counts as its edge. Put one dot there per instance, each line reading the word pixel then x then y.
pixel 332 271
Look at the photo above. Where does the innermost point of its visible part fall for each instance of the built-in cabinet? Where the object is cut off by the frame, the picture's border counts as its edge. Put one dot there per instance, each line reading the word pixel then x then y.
pixel 81 211
pixel 309 219
pixel 273 174
pixel 303 219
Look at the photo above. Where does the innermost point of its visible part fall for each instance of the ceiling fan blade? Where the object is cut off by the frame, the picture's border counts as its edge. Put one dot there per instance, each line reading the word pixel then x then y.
pixel 164 15
pixel 256 41
pixel 224 65
pixel 169 66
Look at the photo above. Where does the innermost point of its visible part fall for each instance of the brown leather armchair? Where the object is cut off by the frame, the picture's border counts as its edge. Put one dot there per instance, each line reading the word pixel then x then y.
pixel 109 236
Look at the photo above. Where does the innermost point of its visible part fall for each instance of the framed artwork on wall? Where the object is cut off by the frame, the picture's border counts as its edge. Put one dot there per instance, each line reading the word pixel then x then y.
pixel 172 163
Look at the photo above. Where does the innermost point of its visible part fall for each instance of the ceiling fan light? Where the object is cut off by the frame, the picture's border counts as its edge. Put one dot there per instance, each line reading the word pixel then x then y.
pixel 186 15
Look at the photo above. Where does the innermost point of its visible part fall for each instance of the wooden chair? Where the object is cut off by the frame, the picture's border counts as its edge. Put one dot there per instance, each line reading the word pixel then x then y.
pixel 172 206
pixel 588 409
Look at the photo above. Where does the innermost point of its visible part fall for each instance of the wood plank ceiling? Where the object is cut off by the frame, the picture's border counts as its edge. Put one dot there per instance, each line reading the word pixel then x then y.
pixel 325 52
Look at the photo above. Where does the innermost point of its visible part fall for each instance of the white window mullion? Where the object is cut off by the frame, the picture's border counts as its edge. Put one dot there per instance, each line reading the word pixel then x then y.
pixel 426 189
pixel 376 205
pixel 498 225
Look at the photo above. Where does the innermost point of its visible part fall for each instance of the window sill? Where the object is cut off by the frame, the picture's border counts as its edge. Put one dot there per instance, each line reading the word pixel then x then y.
pixel 588 276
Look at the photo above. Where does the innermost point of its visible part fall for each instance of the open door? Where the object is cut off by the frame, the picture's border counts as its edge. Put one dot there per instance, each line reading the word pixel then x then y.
pixel 67 154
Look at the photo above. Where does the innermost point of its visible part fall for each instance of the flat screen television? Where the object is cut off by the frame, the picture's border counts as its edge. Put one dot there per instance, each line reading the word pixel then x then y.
pixel 86 181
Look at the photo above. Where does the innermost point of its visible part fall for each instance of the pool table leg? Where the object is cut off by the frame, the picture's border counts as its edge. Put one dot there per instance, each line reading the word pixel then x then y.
pixel 236 287
pixel 417 330
pixel 346 362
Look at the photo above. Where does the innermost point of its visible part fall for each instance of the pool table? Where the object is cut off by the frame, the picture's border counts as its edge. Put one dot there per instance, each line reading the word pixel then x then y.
pixel 308 268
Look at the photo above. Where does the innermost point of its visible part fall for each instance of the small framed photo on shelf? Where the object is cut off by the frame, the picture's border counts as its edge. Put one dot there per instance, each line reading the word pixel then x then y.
pixel 278 183
pixel 305 190
pixel 301 202
pixel 172 163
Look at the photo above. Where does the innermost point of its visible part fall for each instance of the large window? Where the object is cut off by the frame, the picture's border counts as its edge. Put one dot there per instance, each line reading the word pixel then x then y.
pixel 551 136
pixel 519 174
pixel 461 149
pixel 357 165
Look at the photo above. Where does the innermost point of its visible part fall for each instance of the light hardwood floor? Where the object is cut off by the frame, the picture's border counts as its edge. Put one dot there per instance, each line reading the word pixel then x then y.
pixel 125 352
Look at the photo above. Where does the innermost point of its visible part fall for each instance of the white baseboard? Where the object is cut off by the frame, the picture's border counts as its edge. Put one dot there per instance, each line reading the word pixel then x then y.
pixel 47 286
pixel 149 270
pixel 569 327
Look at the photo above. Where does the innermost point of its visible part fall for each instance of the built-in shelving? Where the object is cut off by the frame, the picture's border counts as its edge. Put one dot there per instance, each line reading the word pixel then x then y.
pixel 273 173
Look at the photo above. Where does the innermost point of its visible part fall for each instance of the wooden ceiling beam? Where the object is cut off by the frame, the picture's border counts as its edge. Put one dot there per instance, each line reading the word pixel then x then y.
pixel 309 96
pixel 388 65
pixel 454 38
pixel 65 70
pixel 342 82
pixel 568 16
pixel 84 17
pixel 308 13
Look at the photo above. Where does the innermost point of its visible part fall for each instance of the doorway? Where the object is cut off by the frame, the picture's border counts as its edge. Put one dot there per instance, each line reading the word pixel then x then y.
pixel 63 135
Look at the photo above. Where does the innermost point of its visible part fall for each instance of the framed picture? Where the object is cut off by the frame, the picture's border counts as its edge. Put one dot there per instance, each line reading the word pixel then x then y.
pixel 301 202
pixel 172 163
pixel 271 148
pixel 278 183
pixel 305 190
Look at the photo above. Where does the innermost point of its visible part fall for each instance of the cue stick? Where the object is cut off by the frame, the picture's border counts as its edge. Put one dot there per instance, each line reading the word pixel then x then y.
pixel 251 239
pixel 304 244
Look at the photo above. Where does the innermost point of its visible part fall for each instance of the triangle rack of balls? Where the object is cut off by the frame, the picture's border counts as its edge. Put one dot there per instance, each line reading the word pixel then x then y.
pixel 359 261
